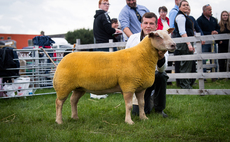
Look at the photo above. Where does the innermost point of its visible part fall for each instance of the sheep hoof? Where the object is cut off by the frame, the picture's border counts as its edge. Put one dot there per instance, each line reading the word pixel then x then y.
pixel 75 117
pixel 130 122
pixel 143 117
pixel 59 121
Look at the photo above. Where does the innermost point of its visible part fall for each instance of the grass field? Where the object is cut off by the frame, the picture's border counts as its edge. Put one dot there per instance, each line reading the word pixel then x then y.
pixel 191 118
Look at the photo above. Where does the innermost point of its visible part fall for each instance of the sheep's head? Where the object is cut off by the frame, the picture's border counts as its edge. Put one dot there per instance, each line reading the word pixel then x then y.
pixel 161 40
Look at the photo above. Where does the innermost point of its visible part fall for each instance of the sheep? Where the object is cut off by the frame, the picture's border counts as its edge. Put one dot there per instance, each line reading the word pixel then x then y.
pixel 127 71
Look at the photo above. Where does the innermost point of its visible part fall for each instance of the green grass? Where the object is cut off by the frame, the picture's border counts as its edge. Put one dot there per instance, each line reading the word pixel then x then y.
pixel 191 118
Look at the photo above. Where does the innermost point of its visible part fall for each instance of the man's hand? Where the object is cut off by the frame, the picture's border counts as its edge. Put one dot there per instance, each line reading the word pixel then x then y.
pixel 161 54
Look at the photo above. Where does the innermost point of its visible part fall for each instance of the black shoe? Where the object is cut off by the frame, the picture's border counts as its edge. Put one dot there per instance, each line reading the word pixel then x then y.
pixel 162 112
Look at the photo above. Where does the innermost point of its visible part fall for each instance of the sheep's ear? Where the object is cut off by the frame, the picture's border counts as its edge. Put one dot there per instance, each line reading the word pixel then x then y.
pixel 155 34
pixel 151 34
pixel 170 30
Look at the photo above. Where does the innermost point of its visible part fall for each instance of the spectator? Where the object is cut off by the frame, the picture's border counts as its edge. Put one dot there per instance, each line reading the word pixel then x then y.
pixel 163 21
pixel 158 99
pixel 102 29
pixel 209 26
pixel 172 15
pixel 130 17
pixel 196 26
pixel 163 24
pixel 184 28
pixel 223 44
pixel 115 25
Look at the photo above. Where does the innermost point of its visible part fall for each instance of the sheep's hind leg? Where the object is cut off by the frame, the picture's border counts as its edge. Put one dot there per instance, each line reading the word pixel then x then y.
pixel 59 105
pixel 76 95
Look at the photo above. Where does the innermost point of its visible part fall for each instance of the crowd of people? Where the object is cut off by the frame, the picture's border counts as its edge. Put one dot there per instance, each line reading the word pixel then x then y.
pixel 136 21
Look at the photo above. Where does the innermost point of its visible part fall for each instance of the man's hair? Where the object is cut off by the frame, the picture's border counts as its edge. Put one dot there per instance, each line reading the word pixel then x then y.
pixel 103 0
pixel 149 15
pixel 181 2
pixel 163 8
pixel 205 6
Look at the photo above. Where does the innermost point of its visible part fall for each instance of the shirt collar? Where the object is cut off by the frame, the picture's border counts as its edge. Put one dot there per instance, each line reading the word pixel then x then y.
pixel 207 18
pixel 177 7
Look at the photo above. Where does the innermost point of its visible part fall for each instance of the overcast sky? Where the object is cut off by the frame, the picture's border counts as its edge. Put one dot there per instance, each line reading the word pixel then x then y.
pixel 61 16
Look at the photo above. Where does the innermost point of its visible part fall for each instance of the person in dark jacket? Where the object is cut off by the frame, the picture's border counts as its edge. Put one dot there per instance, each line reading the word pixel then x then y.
pixel 184 27
pixel 196 26
pixel 223 44
pixel 102 29
pixel 209 26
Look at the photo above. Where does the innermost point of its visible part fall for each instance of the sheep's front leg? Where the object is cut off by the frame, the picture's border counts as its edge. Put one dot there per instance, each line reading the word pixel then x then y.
pixel 128 105
pixel 141 104
pixel 76 95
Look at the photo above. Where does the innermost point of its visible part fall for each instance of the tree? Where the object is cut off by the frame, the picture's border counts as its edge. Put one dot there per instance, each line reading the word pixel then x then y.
pixel 85 35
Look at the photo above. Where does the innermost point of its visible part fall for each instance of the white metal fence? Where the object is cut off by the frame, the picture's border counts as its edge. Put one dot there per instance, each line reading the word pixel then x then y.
pixel 37 71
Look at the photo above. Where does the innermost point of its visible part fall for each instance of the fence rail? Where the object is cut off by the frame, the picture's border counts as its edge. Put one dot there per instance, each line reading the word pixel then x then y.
pixel 40 70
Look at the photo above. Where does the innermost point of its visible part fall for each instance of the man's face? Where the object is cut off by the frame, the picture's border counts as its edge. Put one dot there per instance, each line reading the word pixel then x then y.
pixel 104 5
pixel 131 3
pixel 208 11
pixel 148 25
pixel 177 2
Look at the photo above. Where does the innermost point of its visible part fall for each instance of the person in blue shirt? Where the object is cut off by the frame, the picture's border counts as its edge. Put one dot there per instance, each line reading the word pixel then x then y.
pixel 172 15
pixel 130 17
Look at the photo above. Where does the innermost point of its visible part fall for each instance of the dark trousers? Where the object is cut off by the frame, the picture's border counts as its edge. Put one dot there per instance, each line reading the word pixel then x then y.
pixel 177 66
pixel 155 96
pixel 208 48
pixel 185 66
pixel 222 62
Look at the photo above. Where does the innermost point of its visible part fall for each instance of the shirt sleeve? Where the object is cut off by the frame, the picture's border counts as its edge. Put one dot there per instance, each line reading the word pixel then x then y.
pixel 180 19
pixel 172 16
pixel 132 41
pixel 124 19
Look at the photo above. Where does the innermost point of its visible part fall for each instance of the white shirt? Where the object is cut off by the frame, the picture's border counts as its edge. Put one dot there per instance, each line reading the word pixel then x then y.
pixel 134 39
pixel 165 24
pixel 180 19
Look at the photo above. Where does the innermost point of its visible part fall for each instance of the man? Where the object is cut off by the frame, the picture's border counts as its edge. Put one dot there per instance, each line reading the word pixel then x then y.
pixel 130 17
pixel 209 26
pixel 102 29
pixel 172 15
pixel 158 99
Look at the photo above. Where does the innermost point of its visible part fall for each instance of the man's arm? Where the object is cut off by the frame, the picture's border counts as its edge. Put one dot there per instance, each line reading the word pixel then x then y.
pixel 162 60
pixel 172 15
pixel 127 31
